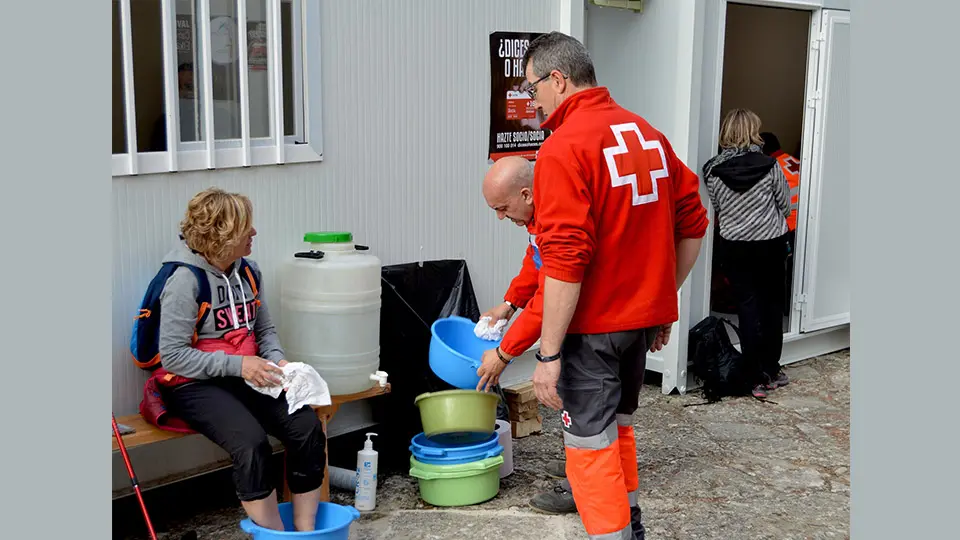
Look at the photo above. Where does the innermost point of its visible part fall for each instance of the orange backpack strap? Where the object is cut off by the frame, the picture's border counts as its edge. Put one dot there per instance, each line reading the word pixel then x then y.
pixel 252 279
pixel 201 313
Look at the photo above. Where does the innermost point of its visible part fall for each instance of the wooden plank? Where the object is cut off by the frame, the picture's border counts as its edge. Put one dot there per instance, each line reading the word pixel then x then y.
pixel 520 393
pixel 526 427
pixel 518 388
pixel 144 434
pixel 526 406
pixel 336 401
pixel 518 399
pixel 377 390
pixel 519 416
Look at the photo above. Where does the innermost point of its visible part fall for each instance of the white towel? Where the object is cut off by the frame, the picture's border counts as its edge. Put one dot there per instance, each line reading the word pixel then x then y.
pixel 303 384
pixel 484 331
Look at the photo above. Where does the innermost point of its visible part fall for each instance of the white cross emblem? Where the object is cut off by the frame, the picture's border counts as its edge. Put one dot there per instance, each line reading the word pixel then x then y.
pixel 631 179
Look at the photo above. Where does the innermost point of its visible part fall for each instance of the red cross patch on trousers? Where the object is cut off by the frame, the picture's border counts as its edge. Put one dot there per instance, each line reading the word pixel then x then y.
pixel 565 417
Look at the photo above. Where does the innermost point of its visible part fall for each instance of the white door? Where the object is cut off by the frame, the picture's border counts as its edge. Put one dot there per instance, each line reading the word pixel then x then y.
pixel 825 295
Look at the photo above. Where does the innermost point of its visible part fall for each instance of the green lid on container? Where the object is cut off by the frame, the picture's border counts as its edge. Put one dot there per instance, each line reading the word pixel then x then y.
pixel 328 237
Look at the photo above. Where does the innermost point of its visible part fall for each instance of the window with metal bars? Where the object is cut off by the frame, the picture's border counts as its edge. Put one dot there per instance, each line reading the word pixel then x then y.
pixel 213 84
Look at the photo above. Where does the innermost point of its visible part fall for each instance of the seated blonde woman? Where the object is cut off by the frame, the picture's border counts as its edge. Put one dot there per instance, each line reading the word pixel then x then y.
pixel 206 385
pixel 752 201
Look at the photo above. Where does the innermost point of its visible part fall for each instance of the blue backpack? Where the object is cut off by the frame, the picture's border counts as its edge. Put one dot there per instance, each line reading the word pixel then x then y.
pixel 145 339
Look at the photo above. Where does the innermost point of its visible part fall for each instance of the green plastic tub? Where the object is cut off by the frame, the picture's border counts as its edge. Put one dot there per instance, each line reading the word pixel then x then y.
pixel 458 416
pixel 464 484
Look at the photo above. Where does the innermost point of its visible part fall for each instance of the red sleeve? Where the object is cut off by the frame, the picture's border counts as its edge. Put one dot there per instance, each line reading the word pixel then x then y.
pixel 566 231
pixel 690 215
pixel 525 330
pixel 525 284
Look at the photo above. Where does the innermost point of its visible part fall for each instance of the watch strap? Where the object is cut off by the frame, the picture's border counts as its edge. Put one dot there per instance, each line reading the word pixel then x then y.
pixel 552 358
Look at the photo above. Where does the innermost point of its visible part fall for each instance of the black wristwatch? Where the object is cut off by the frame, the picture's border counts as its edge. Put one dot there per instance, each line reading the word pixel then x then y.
pixel 552 358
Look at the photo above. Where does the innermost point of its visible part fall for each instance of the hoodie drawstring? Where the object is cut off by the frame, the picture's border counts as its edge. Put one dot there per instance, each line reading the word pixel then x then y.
pixel 243 294
pixel 233 305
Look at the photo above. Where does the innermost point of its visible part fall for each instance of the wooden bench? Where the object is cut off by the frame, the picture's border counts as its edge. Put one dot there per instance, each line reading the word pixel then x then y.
pixel 146 434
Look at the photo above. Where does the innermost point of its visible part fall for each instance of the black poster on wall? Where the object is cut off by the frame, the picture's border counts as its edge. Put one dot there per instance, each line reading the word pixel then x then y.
pixel 514 121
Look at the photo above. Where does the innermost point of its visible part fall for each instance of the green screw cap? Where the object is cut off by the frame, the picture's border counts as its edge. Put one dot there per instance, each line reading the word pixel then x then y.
pixel 328 237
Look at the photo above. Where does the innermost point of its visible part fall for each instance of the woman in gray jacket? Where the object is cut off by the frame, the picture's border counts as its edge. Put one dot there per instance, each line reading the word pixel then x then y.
pixel 751 199
pixel 213 369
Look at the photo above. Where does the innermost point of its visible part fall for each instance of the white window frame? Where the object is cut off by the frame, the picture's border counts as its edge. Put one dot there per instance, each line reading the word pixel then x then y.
pixel 305 146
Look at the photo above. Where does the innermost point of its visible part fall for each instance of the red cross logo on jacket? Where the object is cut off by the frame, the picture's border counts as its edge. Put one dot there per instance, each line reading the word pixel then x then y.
pixel 627 157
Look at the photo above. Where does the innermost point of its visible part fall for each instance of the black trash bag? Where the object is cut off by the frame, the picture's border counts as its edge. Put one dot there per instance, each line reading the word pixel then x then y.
pixel 413 297
pixel 720 367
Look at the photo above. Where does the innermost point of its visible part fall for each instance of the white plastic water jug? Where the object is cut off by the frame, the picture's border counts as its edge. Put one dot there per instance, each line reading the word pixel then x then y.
pixel 330 311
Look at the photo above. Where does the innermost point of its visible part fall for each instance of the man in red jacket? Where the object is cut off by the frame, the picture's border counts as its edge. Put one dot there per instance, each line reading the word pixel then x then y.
pixel 619 223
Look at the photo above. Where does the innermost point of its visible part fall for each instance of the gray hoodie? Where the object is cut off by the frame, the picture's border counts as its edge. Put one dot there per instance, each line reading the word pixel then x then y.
pixel 229 293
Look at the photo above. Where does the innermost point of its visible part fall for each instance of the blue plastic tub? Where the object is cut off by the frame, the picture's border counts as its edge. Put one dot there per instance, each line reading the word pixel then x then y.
pixel 431 452
pixel 333 523
pixel 455 351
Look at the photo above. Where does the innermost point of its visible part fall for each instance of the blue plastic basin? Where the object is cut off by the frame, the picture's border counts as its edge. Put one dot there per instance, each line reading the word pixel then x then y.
pixel 455 351
pixel 333 523
pixel 437 453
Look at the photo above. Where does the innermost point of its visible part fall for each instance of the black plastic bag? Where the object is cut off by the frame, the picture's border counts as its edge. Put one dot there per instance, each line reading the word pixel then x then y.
pixel 720 367
pixel 413 297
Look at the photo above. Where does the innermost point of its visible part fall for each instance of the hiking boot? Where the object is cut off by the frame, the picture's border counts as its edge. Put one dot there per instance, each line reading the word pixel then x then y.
pixel 636 523
pixel 759 391
pixel 556 469
pixel 780 380
pixel 557 501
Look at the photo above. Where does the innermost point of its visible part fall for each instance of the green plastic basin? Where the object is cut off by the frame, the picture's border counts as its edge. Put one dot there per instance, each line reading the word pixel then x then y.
pixel 458 485
pixel 458 415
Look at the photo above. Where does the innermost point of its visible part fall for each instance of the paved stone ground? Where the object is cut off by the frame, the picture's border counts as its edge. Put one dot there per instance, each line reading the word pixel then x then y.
pixel 739 469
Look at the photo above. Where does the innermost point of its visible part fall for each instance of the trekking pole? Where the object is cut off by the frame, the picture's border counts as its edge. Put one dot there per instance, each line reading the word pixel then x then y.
pixel 133 477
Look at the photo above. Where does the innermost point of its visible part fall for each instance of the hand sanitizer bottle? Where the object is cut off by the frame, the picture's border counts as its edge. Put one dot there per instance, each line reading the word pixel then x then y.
pixel 365 498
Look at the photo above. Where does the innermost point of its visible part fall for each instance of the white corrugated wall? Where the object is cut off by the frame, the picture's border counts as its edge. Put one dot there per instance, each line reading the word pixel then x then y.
pixel 405 120
pixel 647 61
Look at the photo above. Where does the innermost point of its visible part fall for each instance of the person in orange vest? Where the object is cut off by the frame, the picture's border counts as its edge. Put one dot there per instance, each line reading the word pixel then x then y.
pixel 791 171
pixel 619 224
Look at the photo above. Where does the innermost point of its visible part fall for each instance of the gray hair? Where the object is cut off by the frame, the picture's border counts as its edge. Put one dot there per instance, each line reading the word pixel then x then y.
pixel 524 177
pixel 558 51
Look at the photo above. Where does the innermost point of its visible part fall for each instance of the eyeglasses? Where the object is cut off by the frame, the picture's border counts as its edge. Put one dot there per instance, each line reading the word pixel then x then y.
pixel 532 88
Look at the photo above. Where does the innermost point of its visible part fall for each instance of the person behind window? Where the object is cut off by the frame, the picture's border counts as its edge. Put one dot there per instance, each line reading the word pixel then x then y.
pixel 752 201
pixel 158 137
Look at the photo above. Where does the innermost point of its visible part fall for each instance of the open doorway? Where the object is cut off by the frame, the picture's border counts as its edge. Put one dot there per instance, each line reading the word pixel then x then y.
pixel 765 70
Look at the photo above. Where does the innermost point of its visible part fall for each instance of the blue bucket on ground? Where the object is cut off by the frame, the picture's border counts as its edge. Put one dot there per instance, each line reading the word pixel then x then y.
pixel 433 452
pixel 455 351
pixel 333 523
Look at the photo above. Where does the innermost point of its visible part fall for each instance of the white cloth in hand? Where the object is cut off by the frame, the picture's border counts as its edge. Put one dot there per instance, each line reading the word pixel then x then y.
pixel 303 384
pixel 483 330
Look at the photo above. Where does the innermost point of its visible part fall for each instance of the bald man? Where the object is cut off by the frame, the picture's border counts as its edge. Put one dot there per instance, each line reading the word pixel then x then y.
pixel 508 190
